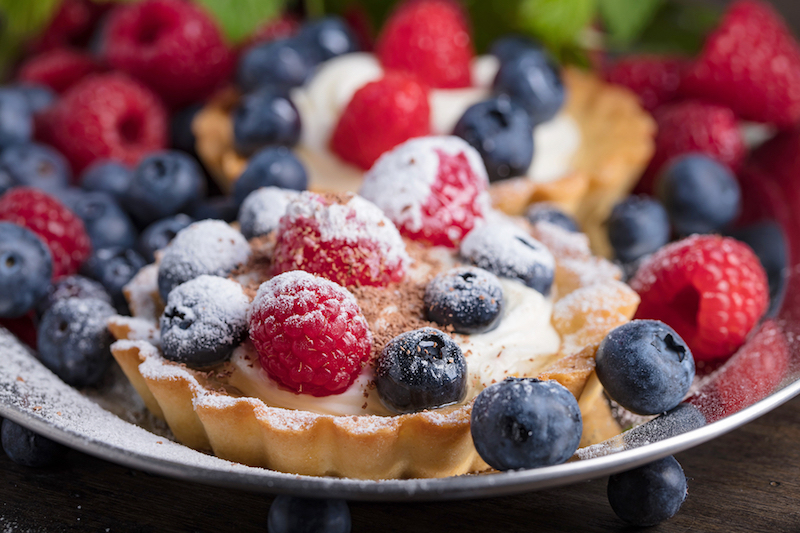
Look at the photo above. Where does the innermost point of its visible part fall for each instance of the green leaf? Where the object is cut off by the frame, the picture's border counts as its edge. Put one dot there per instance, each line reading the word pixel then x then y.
pixel 679 27
pixel 19 21
pixel 239 18
pixel 625 20
pixel 555 22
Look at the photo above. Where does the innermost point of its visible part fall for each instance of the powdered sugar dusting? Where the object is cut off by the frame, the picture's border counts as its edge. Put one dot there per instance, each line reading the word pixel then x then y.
pixel 290 286
pixel 140 292
pixel 262 210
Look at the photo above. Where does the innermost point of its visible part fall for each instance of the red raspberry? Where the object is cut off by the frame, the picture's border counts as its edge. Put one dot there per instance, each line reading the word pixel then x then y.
pixel 108 116
pixel 654 78
pixel 381 115
pixel 60 229
pixel 431 39
pixel 24 328
pixel 343 238
pixel 72 25
pixel 172 46
pixel 280 28
pixel 310 334
pixel 712 290
pixel 751 63
pixel 693 126
pixel 58 69
pixel 432 188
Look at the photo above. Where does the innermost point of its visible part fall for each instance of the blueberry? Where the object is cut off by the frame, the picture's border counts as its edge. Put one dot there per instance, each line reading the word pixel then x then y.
pixel 650 494
pixel 421 369
pixel 501 131
pixel 768 241
pixel 637 226
pixel 74 342
pixel 525 423
pixel 264 118
pixel 114 268
pixel 27 448
pixel 510 46
pixel 72 287
pixel 329 37
pixel 534 81
pixel 469 299
pixel 16 120
pixel 160 233
pixel 204 320
pixel 274 166
pixel 645 366
pixel 6 182
pixel 678 421
pixel 552 214
pixel 281 63
pixel 509 252
pixel 700 195
pixel 217 208
pixel 292 514
pixel 109 177
pixel 262 209
pixel 181 134
pixel 105 221
pixel 164 184
pixel 38 97
pixel 36 165
pixel 25 270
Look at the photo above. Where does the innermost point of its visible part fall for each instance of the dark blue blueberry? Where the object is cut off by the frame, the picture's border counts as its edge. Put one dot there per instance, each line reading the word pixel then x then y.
pixel 114 268
pixel 25 270
pixel 552 214
pixel 292 514
pixel 645 366
pixel 534 81
pixel 16 120
pixel 274 166
pixel 217 208
pixel 501 131
pixel 73 340
pixel 262 209
pixel 72 287
pixel 164 184
pixel 509 252
pixel 27 448
pixel 105 221
pixel 700 195
pixel 525 423
pixel 6 182
pixel 181 134
pixel 650 494
pixel 678 421
pixel 421 369
pixel 159 234
pixel 637 226
pixel 264 118
pixel 109 177
pixel 469 299
pixel 769 243
pixel 282 63
pixel 38 97
pixel 36 165
pixel 510 46
pixel 203 321
pixel 329 37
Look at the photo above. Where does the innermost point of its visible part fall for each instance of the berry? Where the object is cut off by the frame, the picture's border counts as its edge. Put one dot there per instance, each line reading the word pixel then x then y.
pixel 750 63
pixel 309 333
pixel 430 39
pixel 343 238
pixel 467 298
pixel 107 176
pixel 292 514
pixel 712 290
pixel 274 166
pixel 207 247
pixel 510 46
pixel 525 423
pixel 16 122
pixel 74 342
pixel 501 131
pixel 433 189
pixel 421 369
pixel 204 320
pixel 36 165
pixel 262 210
pixel 645 366
pixel 769 244
pixel 58 69
pixel 361 135
pixel 105 221
pixel 328 37
pixel 25 270
pixel 509 252
pixel 71 25
pixel 655 79
pixel 552 214
pixel 114 268
pixel 107 116
pixel 160 233
pixel 72 287
pixel 164 184
pixel 180 128
pixel 38 97
pixel 637 226
pixel 265 117
pixel 27 448
pixel 60 229
pixel 534 81
pixel 286 25
pixel 649 494
pixel 173 47
pixel 217 208
pixel 278 64
pixel 700 195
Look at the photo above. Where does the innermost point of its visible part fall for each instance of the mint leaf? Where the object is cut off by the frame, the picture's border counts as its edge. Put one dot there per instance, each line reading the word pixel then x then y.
pixel 555 22
pixel 625 20
pixel 239 18
pixel 20 21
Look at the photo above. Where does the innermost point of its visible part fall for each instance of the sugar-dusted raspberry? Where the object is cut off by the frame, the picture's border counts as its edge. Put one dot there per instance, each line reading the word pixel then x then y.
pixel 343 238
pixel 432 188
pixel 712 290
pixel 58 69
pixel 310 334
pixel 60 229
pixel 172 46
pixel 106 116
